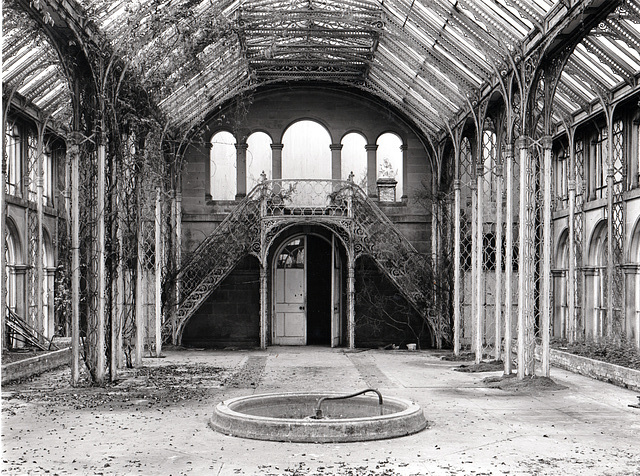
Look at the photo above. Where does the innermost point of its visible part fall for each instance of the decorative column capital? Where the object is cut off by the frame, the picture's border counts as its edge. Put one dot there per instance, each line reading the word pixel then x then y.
pixel 242 146
pixel 371 147
pixel 508 150
pixel 571 185
pixel 547 142
pixel 457 184
pixel 275 146
pixel 404 147
pixel 522 142
pixel 335 146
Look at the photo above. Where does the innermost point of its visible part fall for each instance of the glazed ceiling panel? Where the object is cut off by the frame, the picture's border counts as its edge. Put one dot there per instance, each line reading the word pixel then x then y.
pixel 429 58
pixel 31 68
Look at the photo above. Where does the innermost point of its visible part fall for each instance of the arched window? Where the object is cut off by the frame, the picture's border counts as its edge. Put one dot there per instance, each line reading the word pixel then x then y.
pixel 560 296
pixel 10 272
pixel 596 284
pixel 306 152
pixel 222 172
pixel 14 160
pixel 389 159
pixel 47 285
pixel 354 158
pixel 258 158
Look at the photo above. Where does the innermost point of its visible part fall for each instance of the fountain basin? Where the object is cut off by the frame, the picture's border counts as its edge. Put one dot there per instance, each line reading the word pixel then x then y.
pixel 288 417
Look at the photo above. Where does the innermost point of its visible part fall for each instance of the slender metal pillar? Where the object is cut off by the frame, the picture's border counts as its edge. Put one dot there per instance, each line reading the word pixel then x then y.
pixel 508 268
pixel 178 251
pixel 545 321
pixel 572 278
pixel 523 258
pixel 263 303
pixel 611 235
pixel 159 255
pixel 351 300
pixel 101 271
pixel 456 268
pixel 140 296
pixel 479 321
pixel 74 152
pixel 40 319
pixel 474 262
pixel 499 289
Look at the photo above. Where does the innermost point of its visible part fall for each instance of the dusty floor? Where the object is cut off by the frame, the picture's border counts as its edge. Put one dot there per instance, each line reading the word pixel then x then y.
pixel 154 421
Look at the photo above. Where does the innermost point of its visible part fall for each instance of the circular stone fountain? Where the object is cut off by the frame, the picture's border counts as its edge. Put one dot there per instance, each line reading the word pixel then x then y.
pixel 294 417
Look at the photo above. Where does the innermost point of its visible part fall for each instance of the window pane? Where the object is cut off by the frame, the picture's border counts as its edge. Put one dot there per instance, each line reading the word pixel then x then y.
pixel 389 158
pixel 354 159
pixel 223 166
pixel 306 153
pixel 258 158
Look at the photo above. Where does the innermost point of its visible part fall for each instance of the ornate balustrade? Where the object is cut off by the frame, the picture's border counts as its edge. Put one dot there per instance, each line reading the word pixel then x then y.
pixel 342 205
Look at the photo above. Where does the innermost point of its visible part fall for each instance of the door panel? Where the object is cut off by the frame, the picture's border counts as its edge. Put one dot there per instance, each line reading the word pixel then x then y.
pixel 290 318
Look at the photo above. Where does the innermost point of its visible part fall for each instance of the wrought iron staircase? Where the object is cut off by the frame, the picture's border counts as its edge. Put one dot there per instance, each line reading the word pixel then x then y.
pixel 341 204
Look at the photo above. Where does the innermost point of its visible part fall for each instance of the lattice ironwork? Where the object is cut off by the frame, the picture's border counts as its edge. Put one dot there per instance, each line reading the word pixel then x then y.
pixel 339 205
pixel 302 39
pixel 617 217
pixel 89 257
pixel 32 229
pixel 467 178
pixel 490 248
pixel 578 224
pixel 376 236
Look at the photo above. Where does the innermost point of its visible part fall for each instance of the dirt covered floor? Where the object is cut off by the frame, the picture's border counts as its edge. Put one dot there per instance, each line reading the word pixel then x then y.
pixel 154 419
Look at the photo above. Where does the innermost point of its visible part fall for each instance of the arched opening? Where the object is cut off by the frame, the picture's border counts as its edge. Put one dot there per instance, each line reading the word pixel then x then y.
pixel 308 289
pixel 354 158
pixel 560 297
pixel 389 160
pixel 596 283
pixel 632 311
pixel 306 152
pixel 14 288
pixel 222 166
pixel 259 158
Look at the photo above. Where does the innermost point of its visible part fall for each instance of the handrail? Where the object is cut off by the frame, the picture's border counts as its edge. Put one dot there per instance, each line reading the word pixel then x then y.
pixel 318 412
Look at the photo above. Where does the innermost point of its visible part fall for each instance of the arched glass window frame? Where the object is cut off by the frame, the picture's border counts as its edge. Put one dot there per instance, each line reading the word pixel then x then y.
pixel 382 171
pixel 216 164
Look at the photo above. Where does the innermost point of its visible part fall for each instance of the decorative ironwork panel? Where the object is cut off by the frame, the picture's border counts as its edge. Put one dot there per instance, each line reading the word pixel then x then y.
pixel 338 205
pixel 618 165
pixel 578 224
pixel 32 229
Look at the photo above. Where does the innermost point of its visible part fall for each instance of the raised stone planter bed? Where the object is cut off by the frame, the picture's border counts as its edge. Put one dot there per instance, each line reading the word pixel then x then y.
pixel 597 369
pixel 35 365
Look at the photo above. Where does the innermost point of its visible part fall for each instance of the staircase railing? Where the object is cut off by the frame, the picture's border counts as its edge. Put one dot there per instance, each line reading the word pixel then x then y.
pixel 27 333
pixel 239 234
pixel 377 236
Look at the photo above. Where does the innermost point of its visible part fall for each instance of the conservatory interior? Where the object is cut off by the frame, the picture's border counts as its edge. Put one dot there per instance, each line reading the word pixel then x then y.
pixel 456 174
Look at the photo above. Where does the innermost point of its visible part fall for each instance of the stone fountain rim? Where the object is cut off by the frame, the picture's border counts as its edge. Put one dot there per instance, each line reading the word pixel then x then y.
pixel 303 430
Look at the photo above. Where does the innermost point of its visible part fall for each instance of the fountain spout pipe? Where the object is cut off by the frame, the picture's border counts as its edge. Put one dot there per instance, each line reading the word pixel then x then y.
pixel 344 397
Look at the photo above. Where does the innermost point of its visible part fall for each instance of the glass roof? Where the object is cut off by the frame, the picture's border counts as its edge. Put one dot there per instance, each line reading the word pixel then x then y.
pixel 426 57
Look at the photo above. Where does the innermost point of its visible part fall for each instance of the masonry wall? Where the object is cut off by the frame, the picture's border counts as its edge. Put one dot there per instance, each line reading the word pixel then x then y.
pixel 231 315
pixel 272 111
